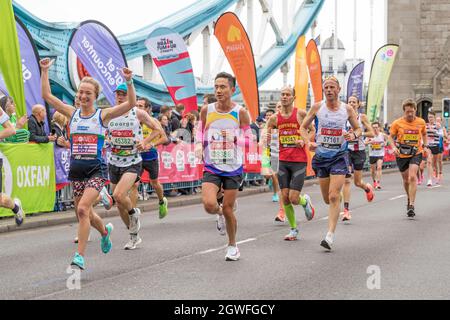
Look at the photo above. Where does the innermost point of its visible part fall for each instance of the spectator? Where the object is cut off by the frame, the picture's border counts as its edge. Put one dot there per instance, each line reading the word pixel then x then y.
pixel 7 104
pixel 59 123
pixel 256 126
pixel 36 126
pixel 166 111
pixel 209 98
pixel 164 120
pixel 269 113
pixel 176 117
pixel 185 132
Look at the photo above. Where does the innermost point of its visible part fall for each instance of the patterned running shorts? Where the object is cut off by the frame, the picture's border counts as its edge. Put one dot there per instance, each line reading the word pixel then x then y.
pixel 96 183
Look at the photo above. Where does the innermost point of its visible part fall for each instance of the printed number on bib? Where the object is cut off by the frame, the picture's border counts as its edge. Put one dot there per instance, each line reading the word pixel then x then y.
pixel 122 139
pixel 331 138
pixel 289 141
pixel 222 152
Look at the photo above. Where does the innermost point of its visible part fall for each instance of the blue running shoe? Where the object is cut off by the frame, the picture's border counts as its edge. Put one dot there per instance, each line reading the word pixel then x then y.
pixel 78 261
pixel 106 243
pixel 275 198
pixel 309 208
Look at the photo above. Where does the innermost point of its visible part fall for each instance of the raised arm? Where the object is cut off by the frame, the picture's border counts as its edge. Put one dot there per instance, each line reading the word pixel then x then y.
pixel 117 111
pixel 60 106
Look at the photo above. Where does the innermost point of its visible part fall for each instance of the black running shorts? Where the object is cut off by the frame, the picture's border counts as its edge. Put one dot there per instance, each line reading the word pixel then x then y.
pixel 291 175
pixel 374 160
pixel 228 183
pixel 116 173
pixel 152 166
pixel 404 163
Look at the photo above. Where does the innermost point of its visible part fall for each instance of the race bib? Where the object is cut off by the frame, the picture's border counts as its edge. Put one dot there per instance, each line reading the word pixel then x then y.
pixel 222 152
pixel 376 146
pixel 122 142
pixel 289 141
pixel 84 146
pixel 331 138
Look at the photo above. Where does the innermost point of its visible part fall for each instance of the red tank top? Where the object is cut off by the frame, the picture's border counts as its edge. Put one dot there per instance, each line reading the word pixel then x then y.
pixel 289 133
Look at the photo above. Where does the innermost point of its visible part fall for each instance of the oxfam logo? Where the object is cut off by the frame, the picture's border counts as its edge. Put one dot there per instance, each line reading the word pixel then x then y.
pixel 7 175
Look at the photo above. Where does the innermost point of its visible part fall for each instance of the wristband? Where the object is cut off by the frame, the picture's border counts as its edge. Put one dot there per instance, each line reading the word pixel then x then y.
pixel 129 82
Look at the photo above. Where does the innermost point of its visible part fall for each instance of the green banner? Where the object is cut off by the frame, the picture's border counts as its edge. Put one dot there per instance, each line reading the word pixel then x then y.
pixel 29 178
pixel 10 60
pixel 379 78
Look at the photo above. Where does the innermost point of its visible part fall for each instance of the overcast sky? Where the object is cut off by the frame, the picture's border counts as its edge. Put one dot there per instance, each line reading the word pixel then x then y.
pixel 130 15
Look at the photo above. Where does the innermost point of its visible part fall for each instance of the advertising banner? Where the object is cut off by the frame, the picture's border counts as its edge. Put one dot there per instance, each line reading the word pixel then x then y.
pixel 379 78
pixel 31 179
pixel 62 165
pixel 301 75
pixel 238 50
pixel 10 61
pixel 356 82
pixel 101 54
pixel 171 56
pixel 315 70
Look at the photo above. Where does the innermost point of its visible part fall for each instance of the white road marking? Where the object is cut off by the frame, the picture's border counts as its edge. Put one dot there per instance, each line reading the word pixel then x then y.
pixel 398 197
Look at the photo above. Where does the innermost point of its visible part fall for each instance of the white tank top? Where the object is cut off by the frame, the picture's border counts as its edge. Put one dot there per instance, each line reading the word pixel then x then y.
pixel 222 155
pixel 433 136
pixel 124 133
pixel 87 136
pixel 330 132
pixel 357 144
pixel 376 146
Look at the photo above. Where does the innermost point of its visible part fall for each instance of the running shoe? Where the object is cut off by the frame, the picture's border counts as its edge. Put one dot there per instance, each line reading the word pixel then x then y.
pixel 275 198
pixel 419 181
pixel 411 213
pixel 378 186
pixel 429 183
pixel 135 224
pixel 220 225
pixel 233 253
pixel 106 199
pixel 309 208
pixel 20 215
pixel 326 244
pixel 280 219
pixel 370 195
pixel 106 243
pixel 292 236
pixel 375 184
pixel 163 210
pixel 135 240
pixel 78 261
pixel 347 215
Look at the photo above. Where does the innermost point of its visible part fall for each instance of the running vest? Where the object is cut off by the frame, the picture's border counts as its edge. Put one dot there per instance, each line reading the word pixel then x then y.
pixel 222 155
pixel 432 135
pixel 357 144
pixel 376 146
pixel 330 131
pixel 152 154
pixel 124 133
pixel 87 136
pixel 289 133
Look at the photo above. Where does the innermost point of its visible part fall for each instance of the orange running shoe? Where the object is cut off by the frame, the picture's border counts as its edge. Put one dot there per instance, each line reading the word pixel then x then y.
pixel 347 215
pixel 280 218
pixel 370 195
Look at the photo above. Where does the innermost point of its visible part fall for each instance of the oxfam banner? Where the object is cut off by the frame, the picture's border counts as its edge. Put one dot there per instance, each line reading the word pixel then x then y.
pixel 31 179
pixel 101 54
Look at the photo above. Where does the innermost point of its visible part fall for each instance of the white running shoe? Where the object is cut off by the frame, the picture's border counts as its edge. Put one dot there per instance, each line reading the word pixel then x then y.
pixel 135 240
pixel 106 199
pixel 20 215
pixel 430 183
pixel 233 253
pixel 220 224
pixel 135 224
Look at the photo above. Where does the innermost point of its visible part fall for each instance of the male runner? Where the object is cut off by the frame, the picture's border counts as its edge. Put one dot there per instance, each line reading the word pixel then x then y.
pixel 443 135
pixel 223 134
pixel 293 159
pixel 376 153
pixel 331 159
pixel 357 157
pixel 433 141
pixel 407 136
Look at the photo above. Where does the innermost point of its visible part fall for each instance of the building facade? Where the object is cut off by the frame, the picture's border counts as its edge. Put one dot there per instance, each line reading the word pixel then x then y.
pixel 422 69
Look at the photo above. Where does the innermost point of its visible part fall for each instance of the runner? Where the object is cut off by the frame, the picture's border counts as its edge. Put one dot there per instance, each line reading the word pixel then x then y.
pixel 443 136
pixel 407 137
pixel 220 133
pixel 293 159
pixel 422 166
pixel 376 153
pixel 331 161
pixel 88 170
pixel 6 202
pixel 357 157
pixel 433 140
pixel 125 161
pixel 267 172
pixel 150 161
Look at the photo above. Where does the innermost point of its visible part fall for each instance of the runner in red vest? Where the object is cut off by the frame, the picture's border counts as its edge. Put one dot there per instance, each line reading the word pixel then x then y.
pixel 293 159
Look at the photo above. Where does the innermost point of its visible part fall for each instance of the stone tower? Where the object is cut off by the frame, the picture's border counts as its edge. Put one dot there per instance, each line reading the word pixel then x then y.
pixel 422 69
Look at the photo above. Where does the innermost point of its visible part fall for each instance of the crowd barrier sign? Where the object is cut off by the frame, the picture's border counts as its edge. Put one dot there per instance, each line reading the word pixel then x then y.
pixel 29 174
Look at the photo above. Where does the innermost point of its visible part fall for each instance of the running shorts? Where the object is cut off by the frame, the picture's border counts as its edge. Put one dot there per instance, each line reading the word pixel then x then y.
pixel 336 166
pixel 357 159
pixel 291 175
pixel 404 163
pixel 152 166
pixel 434 150
pixel 116 173
pixel 96 183
pixel 374 160
pixel 228 183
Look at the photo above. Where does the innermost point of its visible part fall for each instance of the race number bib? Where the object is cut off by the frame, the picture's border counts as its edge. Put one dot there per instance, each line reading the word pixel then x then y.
pixel 122 142
pixel 84 146
pixel 331 138
pixel 376 146
pixel 289 141
pixel 222 152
